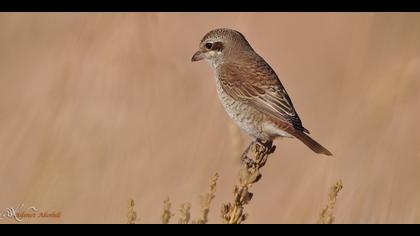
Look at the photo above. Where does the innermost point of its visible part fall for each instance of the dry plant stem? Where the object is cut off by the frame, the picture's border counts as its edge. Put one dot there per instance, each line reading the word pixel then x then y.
pixel 233 213
pixel 205 201
pixel 327 214
pixel 131 215
pixel 185 213
pixel 167 214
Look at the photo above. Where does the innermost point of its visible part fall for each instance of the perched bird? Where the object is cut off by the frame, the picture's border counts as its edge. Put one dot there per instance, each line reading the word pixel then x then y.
pixel 250 90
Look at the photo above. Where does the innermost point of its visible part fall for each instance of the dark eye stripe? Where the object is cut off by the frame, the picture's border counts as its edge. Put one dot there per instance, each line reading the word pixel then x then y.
pixel 217 46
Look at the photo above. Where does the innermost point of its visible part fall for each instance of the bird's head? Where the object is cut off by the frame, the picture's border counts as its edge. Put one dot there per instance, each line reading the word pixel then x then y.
pixel 222 45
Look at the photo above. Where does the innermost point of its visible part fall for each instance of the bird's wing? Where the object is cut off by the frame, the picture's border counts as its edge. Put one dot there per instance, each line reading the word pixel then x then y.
pixel 260 87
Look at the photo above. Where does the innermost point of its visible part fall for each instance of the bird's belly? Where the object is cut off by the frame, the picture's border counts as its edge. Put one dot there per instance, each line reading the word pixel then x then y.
pixel 246 117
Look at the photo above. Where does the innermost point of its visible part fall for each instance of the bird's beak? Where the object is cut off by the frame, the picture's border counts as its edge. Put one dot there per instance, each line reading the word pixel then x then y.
pixel 198 56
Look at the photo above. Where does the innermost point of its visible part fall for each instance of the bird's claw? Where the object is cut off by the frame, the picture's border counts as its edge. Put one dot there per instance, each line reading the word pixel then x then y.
pixel 267 145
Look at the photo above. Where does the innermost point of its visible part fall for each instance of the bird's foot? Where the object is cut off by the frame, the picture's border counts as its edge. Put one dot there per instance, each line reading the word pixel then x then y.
pixel 261 148
pixel 267 145
pixel 244 156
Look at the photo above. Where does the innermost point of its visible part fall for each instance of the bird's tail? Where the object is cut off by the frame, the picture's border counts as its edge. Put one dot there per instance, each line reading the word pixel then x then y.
pixel 312 144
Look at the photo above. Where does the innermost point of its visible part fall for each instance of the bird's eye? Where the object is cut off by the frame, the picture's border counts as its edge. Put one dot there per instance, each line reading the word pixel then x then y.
pixel 208 45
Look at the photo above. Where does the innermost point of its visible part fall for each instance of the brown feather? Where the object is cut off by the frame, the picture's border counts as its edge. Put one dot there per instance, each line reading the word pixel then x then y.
pixel 312 144
pixel 255 83
pixel 306 139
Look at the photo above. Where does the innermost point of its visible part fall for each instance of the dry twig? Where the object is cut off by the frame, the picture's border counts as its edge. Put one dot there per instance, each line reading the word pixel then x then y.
pixel 327 216
pixel 233 213
pixel 167 214
pixel 205 201
pixel 184 210
pixel 131 215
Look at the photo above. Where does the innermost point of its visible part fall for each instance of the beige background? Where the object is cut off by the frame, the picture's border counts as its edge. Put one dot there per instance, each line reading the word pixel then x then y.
pixel 99 108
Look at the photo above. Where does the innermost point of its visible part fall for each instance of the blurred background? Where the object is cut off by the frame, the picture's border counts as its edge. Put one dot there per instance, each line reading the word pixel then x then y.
pixel 98 108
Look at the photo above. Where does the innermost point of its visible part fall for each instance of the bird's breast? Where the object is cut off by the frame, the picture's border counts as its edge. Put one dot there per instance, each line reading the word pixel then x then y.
pixel 245 116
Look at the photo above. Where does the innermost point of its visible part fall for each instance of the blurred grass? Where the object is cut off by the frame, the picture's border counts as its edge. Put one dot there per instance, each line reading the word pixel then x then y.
pixel 231 214
pixel 167 214
pixel 185 214
pixel 206 199
pixel 184 209
pixel 327 214
pixel 234 212
pixel 132 214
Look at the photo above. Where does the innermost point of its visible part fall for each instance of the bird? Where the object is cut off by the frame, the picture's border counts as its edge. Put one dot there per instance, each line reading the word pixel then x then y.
pixel 250 91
